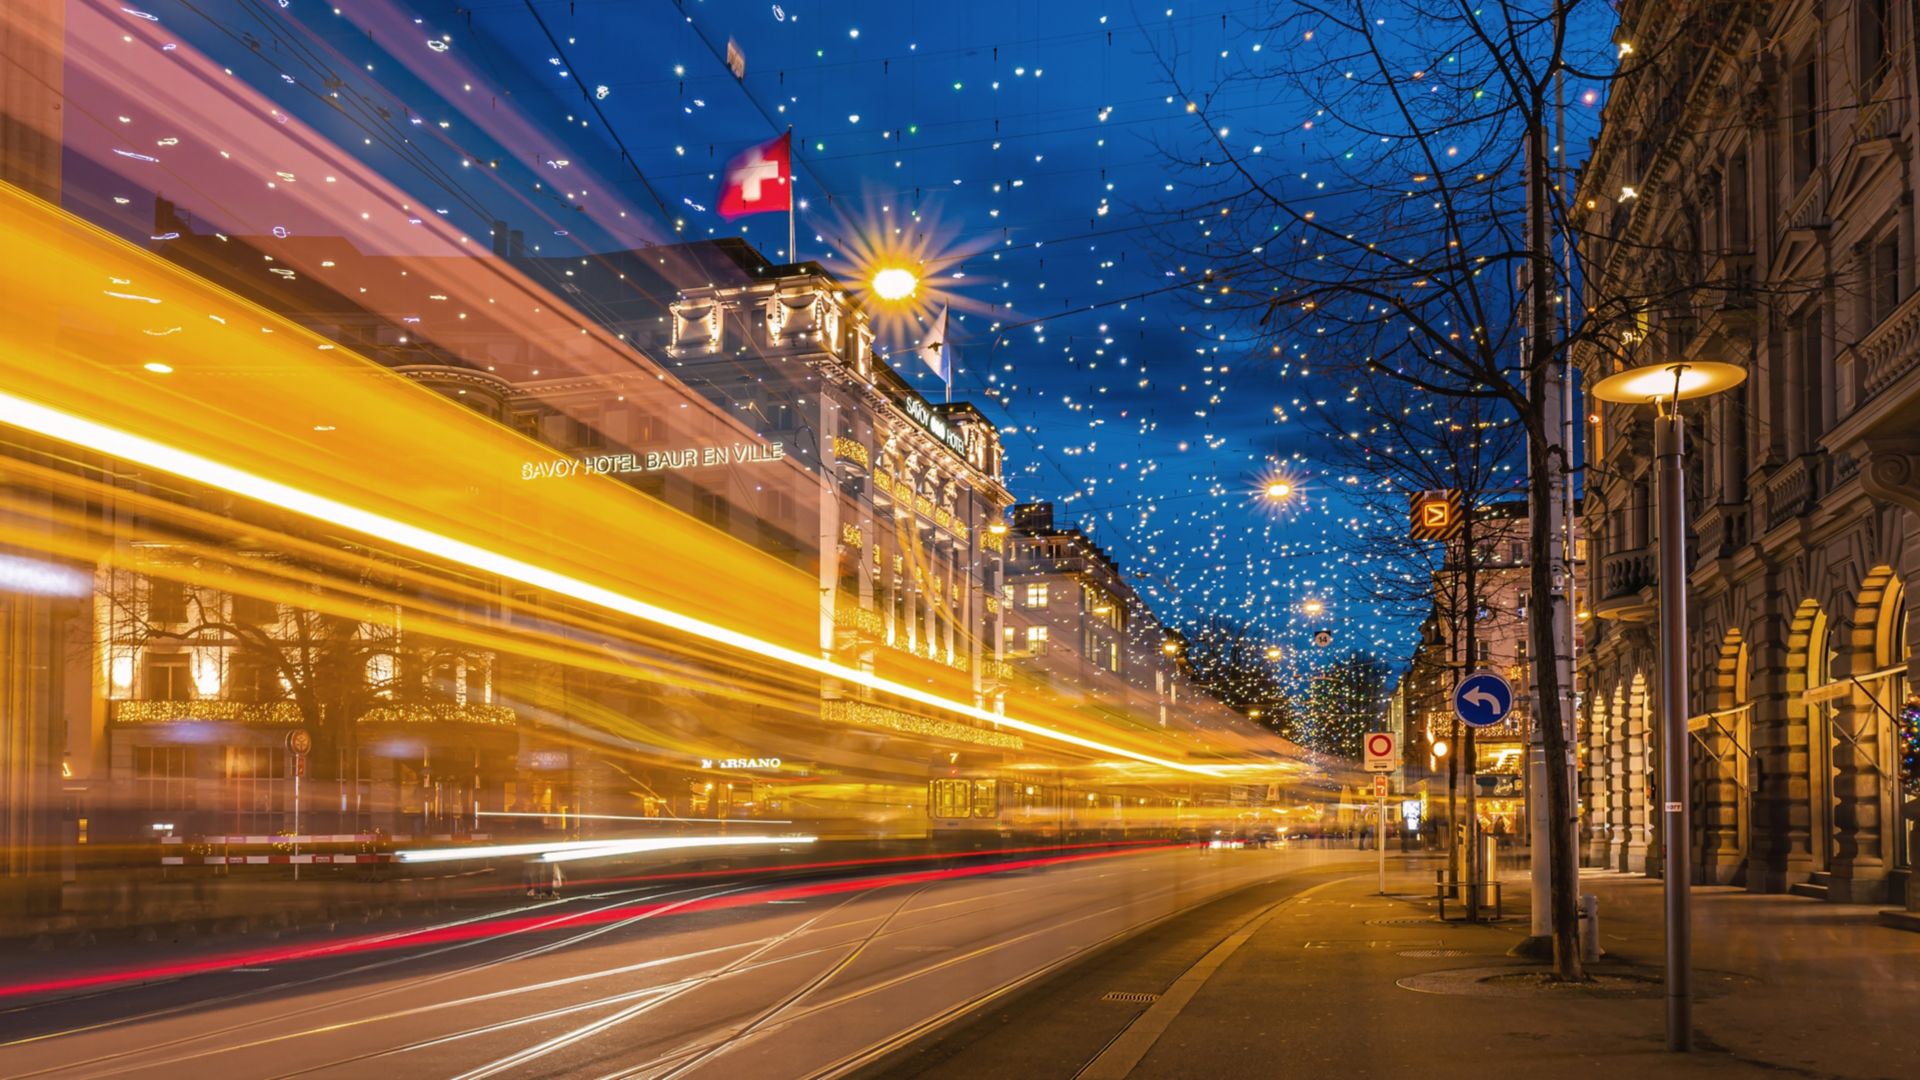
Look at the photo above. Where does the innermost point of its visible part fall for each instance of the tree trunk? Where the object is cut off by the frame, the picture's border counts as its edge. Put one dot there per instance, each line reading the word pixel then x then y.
pixel 1541 476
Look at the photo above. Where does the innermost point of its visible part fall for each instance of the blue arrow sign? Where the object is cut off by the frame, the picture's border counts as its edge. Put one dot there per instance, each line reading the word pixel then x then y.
pixel 1483 699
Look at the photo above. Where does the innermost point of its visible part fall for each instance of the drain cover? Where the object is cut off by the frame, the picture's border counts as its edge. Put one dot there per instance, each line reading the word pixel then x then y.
pixel 1403 922
pixel 1431 953
pixel 1130 997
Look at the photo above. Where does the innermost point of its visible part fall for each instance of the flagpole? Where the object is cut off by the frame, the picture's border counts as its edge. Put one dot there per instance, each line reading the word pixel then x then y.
pixel 793 180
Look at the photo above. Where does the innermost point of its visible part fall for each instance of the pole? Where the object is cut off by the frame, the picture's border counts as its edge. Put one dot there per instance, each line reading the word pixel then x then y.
pixel 793 202
pixel 1669 447
pixel 1566 594
pixel 1380 834
pixel 296 818
pixel 1455 666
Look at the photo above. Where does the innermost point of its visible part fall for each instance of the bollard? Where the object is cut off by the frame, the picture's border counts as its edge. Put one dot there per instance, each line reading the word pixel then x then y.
pixel 1590 926
pixel 1492 872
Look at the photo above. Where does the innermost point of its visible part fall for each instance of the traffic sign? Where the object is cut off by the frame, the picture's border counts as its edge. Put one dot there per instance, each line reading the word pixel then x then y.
pixel 1380 787
pixel 1380 747
pixel 1483 699
pixel 1436 515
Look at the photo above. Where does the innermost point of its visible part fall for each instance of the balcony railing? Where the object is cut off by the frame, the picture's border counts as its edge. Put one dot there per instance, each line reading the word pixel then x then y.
pixel 1792 489
pixel 1721 530
pixel 1623 573
pixel 1891 349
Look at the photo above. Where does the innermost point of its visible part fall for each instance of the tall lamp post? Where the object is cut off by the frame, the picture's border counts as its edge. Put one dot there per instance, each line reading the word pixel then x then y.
pixel 1664 386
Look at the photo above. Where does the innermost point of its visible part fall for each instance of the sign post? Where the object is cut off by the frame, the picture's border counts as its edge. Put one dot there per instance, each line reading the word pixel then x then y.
pixel 1481 700
pixel 298 744
pixel 1381 757
pixel 1380 834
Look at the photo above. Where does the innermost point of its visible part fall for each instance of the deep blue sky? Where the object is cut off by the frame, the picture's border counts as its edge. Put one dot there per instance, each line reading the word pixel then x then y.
pixel 1031 132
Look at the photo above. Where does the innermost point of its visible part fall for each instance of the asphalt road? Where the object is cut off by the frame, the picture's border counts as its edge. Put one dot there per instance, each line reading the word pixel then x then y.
pixel 744 978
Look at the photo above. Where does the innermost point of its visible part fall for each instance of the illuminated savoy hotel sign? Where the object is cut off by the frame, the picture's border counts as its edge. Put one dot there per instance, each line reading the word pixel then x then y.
pixel 937 426
pixel 692 457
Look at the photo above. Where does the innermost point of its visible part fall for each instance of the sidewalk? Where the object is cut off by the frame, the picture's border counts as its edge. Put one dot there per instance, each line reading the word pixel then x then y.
pixel 1330 979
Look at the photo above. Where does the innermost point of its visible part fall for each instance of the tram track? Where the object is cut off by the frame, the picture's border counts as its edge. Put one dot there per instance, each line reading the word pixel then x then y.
pixel 716 998
pixel 627 898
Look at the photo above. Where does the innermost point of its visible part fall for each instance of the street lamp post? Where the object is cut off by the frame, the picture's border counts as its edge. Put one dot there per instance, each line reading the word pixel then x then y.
pixel 1665 386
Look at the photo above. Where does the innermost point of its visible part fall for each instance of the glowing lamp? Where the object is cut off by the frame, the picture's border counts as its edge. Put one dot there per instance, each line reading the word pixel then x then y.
pixel 998 528
pixel 1313 607
pixel 1279 489
pixel 895 283
pixel 1667 383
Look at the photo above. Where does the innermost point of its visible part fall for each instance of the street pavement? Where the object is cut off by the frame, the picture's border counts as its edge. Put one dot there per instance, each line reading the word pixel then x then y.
pixel 1332 979
pixel 742 977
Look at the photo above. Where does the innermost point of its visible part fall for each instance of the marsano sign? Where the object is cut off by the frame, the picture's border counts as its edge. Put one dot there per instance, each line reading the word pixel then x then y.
pixel 740 763
pixel 692 457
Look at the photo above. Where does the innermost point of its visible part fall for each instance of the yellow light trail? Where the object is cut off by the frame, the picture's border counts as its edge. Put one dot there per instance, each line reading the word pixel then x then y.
pixel 79 431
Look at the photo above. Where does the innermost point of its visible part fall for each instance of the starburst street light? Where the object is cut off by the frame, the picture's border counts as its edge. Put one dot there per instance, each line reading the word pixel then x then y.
pixel 1278 491
pixel 1273 652
pixel 1313 607
pixel 895 283
pixel 905 267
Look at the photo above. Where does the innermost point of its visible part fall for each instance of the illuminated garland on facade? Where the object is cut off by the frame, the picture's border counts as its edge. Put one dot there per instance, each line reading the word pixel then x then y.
pixel 860 620
pixel 205 712
pixel 287 713
pixel 861 714
pixel 489 715
pixel 851 450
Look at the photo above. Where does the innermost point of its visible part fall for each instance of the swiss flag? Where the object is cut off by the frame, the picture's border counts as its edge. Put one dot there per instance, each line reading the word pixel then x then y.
pixel 759 180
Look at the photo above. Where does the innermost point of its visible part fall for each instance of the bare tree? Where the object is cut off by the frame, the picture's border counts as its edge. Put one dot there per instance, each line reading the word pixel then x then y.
pixel 1237 666
pixel 1406 219
pixel 1397 442
pixel 280 630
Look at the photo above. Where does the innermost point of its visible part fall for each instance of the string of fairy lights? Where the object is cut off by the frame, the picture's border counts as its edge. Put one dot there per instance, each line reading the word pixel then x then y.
pixel 1043 160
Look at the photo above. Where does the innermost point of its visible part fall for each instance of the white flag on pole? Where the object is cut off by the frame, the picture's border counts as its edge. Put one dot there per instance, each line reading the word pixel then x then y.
pixel 936 353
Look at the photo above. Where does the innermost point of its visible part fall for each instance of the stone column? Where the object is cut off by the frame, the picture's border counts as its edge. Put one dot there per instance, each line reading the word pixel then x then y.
pixel 1861 856
pixel 1617 785
pixel 1634 768
pixel 1781 810
pixel 1594 780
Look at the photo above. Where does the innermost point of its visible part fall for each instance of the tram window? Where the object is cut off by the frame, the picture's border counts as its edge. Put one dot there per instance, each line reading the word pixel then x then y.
pixel 949 798
pixel 986 798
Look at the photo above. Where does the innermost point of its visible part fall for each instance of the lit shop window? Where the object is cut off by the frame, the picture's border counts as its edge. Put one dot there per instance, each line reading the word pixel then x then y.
pixel 1037 640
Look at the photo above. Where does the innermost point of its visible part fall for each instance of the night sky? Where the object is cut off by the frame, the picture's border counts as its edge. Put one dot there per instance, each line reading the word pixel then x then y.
pixel 1027 146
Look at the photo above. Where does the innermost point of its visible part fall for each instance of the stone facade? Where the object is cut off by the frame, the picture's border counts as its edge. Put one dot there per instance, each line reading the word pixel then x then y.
pixel 1753 186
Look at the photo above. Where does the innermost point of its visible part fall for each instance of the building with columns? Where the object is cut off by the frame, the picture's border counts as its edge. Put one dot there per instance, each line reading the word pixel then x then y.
pixel 1753 187
pixel 908 496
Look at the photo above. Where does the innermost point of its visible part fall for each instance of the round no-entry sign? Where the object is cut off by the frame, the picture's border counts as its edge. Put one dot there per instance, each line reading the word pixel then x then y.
pixel 1379 747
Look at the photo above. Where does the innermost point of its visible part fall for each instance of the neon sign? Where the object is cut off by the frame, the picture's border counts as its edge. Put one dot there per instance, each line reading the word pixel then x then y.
pixel 937 426
pixel 692 457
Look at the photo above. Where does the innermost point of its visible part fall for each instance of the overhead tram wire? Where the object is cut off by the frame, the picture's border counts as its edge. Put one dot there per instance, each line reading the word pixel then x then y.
pixel 613 133
pixel 376 125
